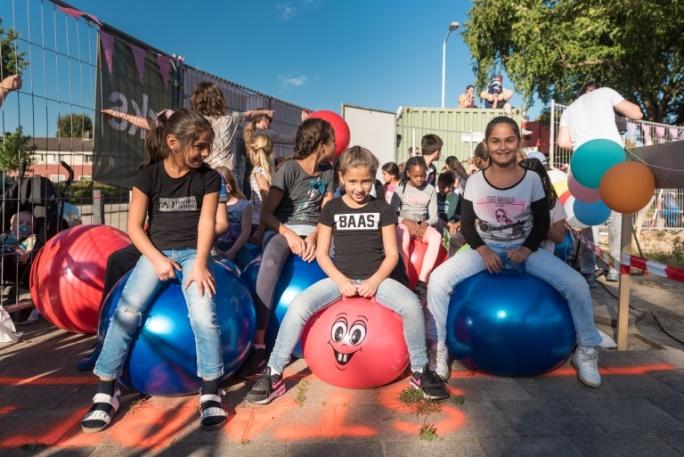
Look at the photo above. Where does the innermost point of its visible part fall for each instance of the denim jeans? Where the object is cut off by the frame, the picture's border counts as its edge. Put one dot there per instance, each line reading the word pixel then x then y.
pixel 540 263
pixel 587 260
pixel 390 294
pixel 137 294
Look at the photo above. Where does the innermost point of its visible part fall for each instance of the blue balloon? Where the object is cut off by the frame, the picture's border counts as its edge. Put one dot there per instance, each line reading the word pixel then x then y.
pixel 591 213
pixel 162 359
pixel 509 324
pixel 565 249
pixel 246 254
pixel 593 159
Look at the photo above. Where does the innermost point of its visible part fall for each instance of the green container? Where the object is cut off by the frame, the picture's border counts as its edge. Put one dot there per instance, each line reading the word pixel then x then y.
pixel 460 129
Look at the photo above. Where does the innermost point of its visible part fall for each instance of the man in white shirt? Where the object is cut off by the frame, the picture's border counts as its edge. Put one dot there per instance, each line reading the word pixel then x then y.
pixel 590 117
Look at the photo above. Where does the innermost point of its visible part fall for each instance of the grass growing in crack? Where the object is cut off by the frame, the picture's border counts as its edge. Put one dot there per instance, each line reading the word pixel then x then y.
pixel 422 407
pixel 458 400
pixel 302 388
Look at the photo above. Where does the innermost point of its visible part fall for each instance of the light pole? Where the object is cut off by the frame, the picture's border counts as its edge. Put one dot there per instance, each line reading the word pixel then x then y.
pixel 452 27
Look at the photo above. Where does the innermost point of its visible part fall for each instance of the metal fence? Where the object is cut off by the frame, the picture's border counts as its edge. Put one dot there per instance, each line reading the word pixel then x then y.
pixel 55 50
pixel 666 209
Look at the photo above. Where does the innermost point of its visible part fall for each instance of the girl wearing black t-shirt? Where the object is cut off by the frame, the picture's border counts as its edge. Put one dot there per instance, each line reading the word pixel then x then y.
pixel 363 230
pixel 178 196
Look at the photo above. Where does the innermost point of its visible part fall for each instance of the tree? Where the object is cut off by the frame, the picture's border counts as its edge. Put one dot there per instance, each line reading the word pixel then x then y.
pixel 551 47
pixel 14 148
pixel 11 62
pixel 74 125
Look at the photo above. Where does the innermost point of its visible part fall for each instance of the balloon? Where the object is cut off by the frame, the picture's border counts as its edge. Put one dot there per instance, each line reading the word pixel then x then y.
pixel 162 359
pixel 593 159
pixel 509 324
pixel 296 276
pixel 355 343
pixel 569 207
pixel 339 125
pixel 591 213
pixel 417 250
pixel 67 276
pixel 582 193
pixel 627 187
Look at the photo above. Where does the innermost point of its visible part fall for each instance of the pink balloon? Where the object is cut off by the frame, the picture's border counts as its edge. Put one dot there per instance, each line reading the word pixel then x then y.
pixel 582 193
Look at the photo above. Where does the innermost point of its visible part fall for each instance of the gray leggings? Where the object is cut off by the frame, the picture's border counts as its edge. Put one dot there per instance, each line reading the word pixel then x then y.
pixel 276 252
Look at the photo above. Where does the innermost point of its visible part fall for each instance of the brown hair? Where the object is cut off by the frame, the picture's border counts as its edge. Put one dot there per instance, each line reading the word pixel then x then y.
pixel 356 156
pixel 207 99
pixel 185 125
pixel 231 181
pixel 310 135
pixel 430 144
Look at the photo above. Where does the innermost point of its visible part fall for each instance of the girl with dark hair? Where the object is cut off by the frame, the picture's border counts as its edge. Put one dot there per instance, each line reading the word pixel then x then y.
pixel 391 175
pixel 178 195
pixel 290 213
pixel 504 219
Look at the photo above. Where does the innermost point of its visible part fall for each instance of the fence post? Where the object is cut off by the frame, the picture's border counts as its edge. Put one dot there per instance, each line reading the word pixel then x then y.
pixel 98 207
pixel 625 282
pixel 552 134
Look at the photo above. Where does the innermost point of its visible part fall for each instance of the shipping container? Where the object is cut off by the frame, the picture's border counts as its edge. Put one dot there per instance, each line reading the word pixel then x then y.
pixel 460 129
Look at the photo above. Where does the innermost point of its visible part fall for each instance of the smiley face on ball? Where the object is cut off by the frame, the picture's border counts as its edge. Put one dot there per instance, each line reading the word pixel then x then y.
pixel 347 335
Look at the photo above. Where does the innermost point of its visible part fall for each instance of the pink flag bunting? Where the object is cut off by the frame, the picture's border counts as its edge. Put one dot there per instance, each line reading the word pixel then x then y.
pixel 108 47
pixel 76 13
pixel 164 65
pixel 139 56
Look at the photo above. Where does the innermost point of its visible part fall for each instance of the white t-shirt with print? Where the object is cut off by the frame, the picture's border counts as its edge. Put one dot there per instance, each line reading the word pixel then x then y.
pixel 591 117
pixel 557 214
pixel 504 216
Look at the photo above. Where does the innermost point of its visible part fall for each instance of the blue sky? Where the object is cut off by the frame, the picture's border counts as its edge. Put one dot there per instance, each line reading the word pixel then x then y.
pixel 317 53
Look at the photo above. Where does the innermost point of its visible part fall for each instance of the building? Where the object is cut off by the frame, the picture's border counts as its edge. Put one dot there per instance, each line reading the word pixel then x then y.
pixel 48 152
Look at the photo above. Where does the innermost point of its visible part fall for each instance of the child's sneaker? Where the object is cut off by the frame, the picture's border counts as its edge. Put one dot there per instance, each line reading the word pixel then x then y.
pixel 267 387
pixel 430 384
pixel 438 360
pixel 585 361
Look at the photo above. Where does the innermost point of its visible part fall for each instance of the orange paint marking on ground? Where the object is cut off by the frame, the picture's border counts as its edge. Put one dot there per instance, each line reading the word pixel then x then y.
pixel 49 437
pixel 250 422
pixel 7 409
pixel 47 380
pixel 454 420
pixel 616 371
pixel 330 425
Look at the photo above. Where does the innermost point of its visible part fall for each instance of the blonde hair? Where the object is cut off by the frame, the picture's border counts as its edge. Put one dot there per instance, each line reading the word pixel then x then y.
pixel 259 149
pixel 358 156
pixel 231 181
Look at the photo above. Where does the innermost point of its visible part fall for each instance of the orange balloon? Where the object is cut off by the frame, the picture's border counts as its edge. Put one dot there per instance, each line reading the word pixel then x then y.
pixel 627 187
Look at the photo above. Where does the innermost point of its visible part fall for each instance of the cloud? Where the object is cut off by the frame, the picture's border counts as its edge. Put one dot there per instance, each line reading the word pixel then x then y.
pixel 295 81
pixel 286 11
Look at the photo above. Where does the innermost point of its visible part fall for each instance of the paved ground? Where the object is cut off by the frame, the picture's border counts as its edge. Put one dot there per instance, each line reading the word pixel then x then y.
pixel 639 411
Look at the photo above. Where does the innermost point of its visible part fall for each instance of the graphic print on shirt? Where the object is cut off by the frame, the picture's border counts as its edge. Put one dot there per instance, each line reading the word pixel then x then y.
pixel 506 211
pixel 357 221
pixel 315 192
pixel 177 204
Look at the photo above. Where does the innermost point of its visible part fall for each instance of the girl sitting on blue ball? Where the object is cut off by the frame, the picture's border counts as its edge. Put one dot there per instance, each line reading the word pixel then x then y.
pixel 363 231
pixel 504 219
pixel 178 196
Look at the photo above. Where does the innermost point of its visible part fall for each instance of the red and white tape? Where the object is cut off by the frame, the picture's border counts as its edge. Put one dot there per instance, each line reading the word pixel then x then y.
pixel 650 266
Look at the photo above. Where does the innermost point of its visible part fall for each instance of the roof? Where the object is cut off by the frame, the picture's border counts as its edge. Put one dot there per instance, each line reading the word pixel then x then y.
pixel 62 144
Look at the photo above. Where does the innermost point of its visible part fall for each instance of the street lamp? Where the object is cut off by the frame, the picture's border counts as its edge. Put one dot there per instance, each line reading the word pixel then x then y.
pixel 452 27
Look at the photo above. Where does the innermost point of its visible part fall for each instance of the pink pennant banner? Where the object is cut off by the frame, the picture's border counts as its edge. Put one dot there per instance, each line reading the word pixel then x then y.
pixel 108 47
pixel 164 65
pixel 73 12
pixel 139 56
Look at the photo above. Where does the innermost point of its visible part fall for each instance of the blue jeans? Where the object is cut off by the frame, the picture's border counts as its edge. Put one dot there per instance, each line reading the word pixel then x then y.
pixel 137 294
pixel 391 294
pixel 541 263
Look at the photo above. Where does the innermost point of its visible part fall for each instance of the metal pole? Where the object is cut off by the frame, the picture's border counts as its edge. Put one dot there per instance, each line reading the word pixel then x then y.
pixel 444 65
pixel 552 133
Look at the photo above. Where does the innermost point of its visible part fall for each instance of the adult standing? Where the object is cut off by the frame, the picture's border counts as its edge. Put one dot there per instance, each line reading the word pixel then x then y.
pixel 590 117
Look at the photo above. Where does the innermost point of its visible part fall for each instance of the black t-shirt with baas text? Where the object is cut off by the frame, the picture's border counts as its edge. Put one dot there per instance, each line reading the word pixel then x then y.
pixel 175 203
pixel 357 235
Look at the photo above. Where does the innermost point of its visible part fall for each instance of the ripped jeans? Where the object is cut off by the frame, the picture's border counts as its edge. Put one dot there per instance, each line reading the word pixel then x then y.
pixel 141 287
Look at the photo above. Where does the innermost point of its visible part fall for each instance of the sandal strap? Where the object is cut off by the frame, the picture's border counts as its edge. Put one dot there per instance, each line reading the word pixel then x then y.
pixel 209 397
pixel 98 415
pixel 213 411
pixel 112 400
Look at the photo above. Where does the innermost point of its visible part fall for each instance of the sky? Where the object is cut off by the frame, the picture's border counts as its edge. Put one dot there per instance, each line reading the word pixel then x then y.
pixel 316 53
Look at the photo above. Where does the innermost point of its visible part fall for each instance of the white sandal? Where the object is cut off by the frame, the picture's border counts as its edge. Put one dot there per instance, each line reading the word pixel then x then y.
pixel 208 413
pixel 102 418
